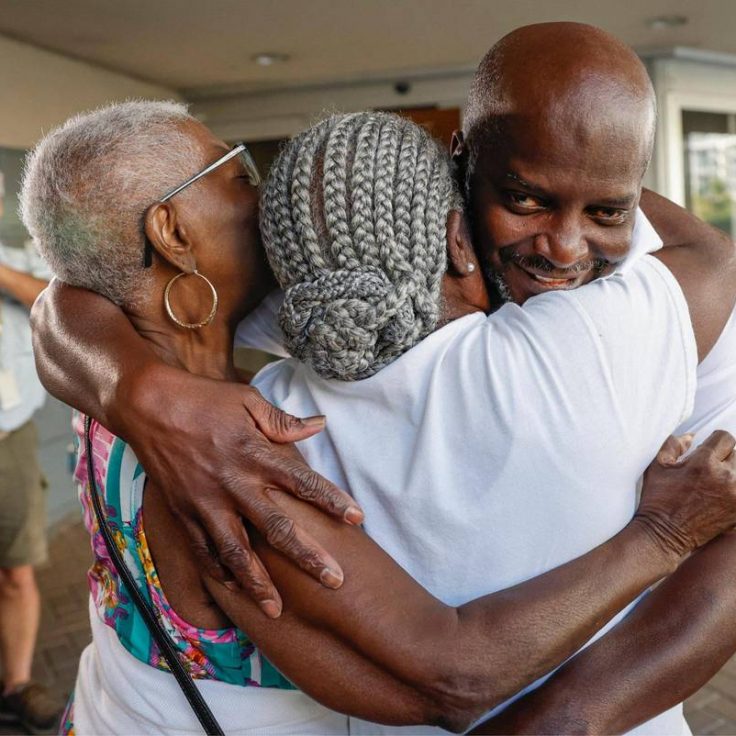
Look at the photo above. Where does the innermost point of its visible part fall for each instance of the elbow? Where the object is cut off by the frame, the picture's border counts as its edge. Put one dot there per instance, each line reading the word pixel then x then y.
pixel 452 716
pixel 456 684
pixel 39 327
pixel 455 701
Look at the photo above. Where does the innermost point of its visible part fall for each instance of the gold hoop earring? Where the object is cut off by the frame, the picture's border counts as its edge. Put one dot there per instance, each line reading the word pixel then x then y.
pixel 170 311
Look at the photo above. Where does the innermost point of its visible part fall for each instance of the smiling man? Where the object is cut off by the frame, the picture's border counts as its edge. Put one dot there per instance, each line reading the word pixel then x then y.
pixel 557 137
pixel 558 133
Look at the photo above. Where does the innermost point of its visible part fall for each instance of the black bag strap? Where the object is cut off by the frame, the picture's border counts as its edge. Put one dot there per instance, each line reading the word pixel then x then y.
pixel 168 650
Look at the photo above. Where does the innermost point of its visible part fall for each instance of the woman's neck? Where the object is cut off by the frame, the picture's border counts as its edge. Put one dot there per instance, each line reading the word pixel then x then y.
pixel 456 301
pixel 207 351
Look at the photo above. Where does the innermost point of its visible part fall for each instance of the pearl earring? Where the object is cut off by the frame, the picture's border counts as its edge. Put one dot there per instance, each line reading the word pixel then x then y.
pixel 471 267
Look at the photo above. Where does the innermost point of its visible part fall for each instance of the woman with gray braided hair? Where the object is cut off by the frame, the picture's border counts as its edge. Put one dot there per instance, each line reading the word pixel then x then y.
pixel 362 225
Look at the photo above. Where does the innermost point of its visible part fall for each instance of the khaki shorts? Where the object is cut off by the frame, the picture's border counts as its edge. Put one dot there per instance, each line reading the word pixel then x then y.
pixel 22 500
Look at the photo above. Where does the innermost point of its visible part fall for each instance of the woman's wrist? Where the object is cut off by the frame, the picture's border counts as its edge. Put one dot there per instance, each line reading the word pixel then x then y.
pixel 658 545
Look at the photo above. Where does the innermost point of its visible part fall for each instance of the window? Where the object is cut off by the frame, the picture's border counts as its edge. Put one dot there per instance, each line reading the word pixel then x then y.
pixel 709 140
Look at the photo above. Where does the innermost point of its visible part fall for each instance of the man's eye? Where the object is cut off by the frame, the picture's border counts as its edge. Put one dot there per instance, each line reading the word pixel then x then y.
pixel 524 201
pixel 609 215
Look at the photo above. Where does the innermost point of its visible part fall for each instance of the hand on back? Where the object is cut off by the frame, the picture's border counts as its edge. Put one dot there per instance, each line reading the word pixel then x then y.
pixel 215 450
pixel 687 501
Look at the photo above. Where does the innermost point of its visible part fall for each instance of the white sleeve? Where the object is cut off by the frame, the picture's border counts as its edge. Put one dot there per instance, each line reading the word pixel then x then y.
pixel 260 329
pixel 638 328
pixel 644 240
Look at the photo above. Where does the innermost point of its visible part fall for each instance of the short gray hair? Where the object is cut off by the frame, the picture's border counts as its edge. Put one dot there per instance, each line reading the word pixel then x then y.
pixel 353 217
pixel 87 185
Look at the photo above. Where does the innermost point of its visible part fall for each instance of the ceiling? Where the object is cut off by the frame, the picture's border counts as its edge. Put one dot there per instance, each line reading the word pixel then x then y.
pixel 204 47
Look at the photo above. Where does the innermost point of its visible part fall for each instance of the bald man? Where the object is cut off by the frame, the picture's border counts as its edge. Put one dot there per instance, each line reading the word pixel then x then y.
pixel 557 135
pixel 554 174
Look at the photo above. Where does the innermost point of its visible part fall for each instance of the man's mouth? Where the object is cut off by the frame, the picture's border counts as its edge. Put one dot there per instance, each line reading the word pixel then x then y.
pixel 537 282
pixel 519 277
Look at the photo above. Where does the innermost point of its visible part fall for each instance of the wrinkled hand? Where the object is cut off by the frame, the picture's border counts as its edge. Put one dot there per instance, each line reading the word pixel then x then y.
pixel 207 445
pixel 686 502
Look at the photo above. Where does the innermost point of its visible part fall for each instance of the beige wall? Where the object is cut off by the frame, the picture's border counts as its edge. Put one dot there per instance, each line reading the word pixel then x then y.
pixel 40 89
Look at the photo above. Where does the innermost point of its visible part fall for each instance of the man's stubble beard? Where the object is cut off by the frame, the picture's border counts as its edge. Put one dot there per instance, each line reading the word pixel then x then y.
pixel 500 291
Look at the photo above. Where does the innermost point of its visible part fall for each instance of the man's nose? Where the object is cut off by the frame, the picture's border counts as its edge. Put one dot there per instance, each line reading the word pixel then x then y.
pixel 563 242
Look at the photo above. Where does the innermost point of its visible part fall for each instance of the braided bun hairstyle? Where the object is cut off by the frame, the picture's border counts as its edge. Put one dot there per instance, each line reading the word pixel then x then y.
pixel 353 218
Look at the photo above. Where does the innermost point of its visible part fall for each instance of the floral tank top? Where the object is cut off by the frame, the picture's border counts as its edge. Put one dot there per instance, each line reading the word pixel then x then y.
pixel 218 654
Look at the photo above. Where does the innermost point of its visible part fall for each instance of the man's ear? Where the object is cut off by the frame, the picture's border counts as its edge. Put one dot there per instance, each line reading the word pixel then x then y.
pixel 460 254
pixel 167 236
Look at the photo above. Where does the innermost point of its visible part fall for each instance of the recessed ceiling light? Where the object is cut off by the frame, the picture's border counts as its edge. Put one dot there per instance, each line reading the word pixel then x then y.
pixel 667 21
pixel 269 58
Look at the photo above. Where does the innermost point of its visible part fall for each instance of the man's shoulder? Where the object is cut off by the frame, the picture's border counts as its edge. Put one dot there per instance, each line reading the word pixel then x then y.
pixel 260 329
pixel 647 283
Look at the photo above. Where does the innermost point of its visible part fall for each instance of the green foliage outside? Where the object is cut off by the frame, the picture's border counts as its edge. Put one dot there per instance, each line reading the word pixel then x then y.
pixel 716 206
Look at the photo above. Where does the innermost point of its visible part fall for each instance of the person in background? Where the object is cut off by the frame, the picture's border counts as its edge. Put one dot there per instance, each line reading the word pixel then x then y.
pixel 23 276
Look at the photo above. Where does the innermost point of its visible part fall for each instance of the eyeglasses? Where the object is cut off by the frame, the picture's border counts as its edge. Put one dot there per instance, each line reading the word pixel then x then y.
pixel 251 171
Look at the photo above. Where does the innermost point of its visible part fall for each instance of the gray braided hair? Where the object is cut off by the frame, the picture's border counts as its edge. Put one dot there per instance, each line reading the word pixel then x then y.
pixel 353 217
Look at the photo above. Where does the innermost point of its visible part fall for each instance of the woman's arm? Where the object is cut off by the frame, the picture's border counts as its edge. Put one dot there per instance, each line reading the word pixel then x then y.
pixel 89 355
pixel 454 664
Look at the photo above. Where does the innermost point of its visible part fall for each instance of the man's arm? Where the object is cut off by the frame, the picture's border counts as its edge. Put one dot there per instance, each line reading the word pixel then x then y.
pixel 89 356
pixel 703 261
pixel 20 285
pixel 667 648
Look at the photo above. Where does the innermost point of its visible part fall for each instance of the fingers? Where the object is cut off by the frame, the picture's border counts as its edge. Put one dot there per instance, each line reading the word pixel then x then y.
pixel 235 554
pixel 721 444
pixel 277 425
pixel 283 534
pixel 292 475
pixel 300 480
pixel 674 448
pixel 204 551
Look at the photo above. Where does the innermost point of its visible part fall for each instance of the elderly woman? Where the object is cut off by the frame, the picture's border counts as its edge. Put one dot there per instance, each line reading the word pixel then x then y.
pixel 363 228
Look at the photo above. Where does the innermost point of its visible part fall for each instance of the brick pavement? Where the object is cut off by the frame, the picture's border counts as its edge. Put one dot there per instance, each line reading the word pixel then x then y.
pixel 64 628
pixel 65 632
